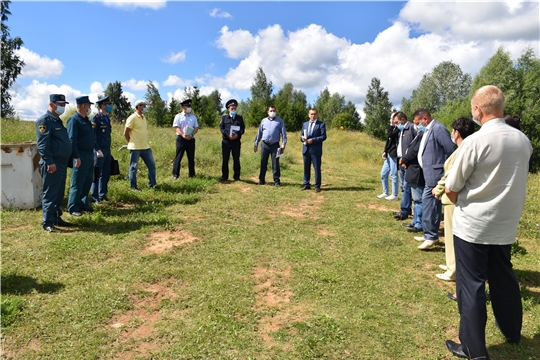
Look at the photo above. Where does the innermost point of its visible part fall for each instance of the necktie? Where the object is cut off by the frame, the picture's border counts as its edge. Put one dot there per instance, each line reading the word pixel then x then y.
pixel 310 132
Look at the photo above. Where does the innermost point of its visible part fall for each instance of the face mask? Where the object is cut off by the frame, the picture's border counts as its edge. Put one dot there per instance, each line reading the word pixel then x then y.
pixel 453 140
pixel 89 111
pixel 272 114
pixel 188 110
pixel 476 121
pixel 233 113
pixel 60 110
pixel 108 108
pixel 400 127
pixel 421 128
pixel 145 110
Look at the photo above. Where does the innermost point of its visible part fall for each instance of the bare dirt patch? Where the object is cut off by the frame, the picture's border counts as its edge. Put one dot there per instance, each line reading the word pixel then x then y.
pixel 246 189
pixel 307 207
pixel 379 207
pixel 16 228
pixel 325 232
pixel 136 327
pixel 273 296
pixel 162 241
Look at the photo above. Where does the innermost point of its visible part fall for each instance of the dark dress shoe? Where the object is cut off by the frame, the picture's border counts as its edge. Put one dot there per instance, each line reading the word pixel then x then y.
pixel 237 179
pixel 401 216
pixel 261 182
pixel 410 225
pixel 317 189
pixel 51 229
pixel 456 349
pixel 60 222
pixel 414 230
pixel 451 296
pixel 305 187
pixel 222 179
pixel 105 198
pixel 277 184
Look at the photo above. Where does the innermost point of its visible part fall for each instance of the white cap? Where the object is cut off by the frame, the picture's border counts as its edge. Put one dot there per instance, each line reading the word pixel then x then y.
pixel 139 102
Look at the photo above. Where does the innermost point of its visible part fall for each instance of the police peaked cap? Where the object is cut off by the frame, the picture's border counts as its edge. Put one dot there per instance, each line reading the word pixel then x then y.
pixel 57 98
pixel 186 102
pixel 102 100
pixel 83 100
pixel 231 102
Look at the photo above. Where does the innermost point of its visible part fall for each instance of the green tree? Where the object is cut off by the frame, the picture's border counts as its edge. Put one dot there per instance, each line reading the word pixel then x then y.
pixel 212 109
pixel 174 109
pixel 291 106
pixel 157 107
pixel 378 109
pixel 11 62
pixel 121 105
pixel 261 98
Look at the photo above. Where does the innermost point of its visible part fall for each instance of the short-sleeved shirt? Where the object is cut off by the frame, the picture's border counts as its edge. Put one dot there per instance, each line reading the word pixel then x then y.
pixel 138 137
pixel 52 140
pixel 490 175
pixel 184 121
pixel 102 128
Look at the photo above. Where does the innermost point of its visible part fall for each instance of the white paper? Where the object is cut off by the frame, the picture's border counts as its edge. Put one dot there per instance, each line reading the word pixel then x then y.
pixel 233 129
pixel 305 136
pixel 279 153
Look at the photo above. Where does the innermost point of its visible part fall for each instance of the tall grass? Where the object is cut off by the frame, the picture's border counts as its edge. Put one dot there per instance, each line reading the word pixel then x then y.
pixel 244 271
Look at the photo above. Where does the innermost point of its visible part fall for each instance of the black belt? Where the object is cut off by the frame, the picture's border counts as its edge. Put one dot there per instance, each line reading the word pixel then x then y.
pixel 269 143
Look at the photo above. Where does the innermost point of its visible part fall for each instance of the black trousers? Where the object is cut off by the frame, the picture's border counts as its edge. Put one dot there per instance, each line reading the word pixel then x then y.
pixel 228 147
pixel 187 146
pixel 266 151
pixel 476 264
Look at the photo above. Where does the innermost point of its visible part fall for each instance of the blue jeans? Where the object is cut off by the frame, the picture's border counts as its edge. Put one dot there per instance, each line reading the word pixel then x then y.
pixel 390 167
pixel 431 218
pixel 406 200
pixel 148 158
pixel 416 194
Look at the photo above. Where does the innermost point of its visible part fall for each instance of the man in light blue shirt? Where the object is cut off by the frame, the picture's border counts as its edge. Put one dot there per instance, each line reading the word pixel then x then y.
pixel 186 126
pixel 270 130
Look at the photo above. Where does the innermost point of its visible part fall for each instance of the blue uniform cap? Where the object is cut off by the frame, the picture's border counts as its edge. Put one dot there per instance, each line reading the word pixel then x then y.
pixel 83 100
pixel 102 100
pixel 57 98
pixel 231 102
pixel 186 102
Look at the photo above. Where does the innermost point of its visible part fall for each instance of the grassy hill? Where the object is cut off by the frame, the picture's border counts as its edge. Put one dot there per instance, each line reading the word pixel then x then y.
pixel 202 270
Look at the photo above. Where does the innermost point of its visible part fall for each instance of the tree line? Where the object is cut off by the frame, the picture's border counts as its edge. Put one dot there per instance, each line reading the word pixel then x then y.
pixel 445 91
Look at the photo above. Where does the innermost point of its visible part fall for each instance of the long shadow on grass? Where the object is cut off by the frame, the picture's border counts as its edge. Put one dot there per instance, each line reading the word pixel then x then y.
pixel 527 349
pixel 20 285
pixel 348 188
pixel 528 277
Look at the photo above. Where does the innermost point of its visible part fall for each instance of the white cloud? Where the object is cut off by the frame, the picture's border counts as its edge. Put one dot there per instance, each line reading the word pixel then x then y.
pixel 33 101
pixel 40 67
pixel 217 13
pixel 138 85
pixel 174 80
pixel 237 44
pixel 312 59
pixel 174 58
pixel 131 5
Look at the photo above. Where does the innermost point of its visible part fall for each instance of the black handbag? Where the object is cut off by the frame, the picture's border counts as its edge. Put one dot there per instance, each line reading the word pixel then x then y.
pixel 115 167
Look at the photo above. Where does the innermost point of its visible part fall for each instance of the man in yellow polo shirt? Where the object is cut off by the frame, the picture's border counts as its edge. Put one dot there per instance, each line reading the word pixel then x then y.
pixel 136 134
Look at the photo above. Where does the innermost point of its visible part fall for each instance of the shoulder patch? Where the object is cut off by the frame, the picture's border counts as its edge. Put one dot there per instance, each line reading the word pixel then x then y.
pixel 93 125
pixel 42 128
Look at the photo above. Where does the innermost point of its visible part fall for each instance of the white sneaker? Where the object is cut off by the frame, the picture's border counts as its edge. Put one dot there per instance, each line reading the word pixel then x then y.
pixel 419 238
pixel 382 196
pixel 392 197
pixel 427 244
pixel 444 277
pixel 444 267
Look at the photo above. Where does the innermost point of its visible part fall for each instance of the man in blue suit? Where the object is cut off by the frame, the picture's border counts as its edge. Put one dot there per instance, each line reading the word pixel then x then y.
pixel 313 134
pixel 435 148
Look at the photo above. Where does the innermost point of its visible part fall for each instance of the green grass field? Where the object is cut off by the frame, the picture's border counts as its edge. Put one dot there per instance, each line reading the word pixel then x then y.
pixel 202 270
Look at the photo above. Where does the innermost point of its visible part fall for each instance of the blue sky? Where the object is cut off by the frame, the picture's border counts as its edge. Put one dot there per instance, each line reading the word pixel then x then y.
pixel 78 47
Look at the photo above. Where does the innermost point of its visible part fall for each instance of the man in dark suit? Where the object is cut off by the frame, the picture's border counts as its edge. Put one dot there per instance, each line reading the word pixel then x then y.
pixel 415 178
pixel 313 134
pixel 231 127
pixel 436 146
pixel 406 135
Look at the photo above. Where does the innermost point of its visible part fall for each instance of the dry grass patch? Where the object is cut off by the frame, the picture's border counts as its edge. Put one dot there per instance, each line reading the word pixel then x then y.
pixel 162 241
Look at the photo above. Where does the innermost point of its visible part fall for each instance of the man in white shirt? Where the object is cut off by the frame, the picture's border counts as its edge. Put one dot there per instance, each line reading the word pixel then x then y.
pixel 488 184
pixel 186 126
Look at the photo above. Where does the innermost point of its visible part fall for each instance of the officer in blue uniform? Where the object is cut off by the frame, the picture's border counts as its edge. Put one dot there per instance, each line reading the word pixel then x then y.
pixel 54 148
pixel 81 135
pixel 231 140
pixel 102 148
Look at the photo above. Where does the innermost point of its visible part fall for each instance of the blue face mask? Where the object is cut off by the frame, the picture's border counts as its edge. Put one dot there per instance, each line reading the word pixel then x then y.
pixel 232 113
pixel 421 128
pixel 400 127
pixel 108 108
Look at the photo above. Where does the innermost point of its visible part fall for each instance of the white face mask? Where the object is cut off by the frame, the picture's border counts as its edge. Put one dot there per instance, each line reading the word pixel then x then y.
pixel 272 114
pixel 89 111
pixel 188 110
pixel 60 110
pixel 476 121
